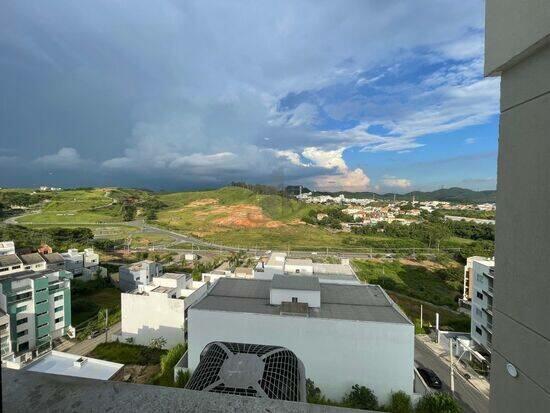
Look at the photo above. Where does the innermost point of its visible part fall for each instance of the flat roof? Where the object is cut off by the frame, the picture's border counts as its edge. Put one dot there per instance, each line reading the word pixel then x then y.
pixel 162 290
pixel 57 362
pixel 295 282
pixel 299 261
pixel 364 302
pixel 344 269
pixel 172 275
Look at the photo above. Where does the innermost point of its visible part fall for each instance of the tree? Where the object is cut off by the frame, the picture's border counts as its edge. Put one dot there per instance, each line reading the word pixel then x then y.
pixel 400 402
pixel 157 343
pixel 361 397
pixel 437 403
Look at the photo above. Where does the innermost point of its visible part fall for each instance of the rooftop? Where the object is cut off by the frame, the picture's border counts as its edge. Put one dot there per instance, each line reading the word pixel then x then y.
pixel 9 260
pixel 299 261
pixel 172 276
pixel 295 282
pixel 363 302
pixel 67 364
pixel 53 258
pixel 30 259
pixel 27 391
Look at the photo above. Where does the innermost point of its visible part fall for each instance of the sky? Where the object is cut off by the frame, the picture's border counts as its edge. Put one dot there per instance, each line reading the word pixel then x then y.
pixel 334 95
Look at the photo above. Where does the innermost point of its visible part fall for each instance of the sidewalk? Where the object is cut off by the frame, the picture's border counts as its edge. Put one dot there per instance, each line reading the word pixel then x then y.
pixel 477 381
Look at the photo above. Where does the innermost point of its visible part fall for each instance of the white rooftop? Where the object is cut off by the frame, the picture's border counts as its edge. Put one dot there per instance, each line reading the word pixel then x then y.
pixel 66 364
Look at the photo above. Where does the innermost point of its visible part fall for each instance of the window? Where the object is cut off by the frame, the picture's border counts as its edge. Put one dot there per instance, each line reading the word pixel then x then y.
pixel 27 267
pixel 42 325
pixel 39 314
pixel 297 271
pixel 21 309
pixel 479 313
pixel 23 346
pixel 294 299
pixel 58 297
pixel 15 267
pixel 22 333
pixel 41 290
pixel 60 308
pixel 479 295
pixel 4 269
pixel 479 331
pixel 479 277
pixel 58 320
pixel 22 321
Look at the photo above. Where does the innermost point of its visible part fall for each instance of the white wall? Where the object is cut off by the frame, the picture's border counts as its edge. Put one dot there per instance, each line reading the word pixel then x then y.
pixel 277 296
pixel 145 317
pixel 336 354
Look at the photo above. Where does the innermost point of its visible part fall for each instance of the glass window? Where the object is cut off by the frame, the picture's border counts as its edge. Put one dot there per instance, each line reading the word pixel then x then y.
pixel 58 297
pixel 22 333
pixel 479 331
pixel 58 320
pixel 22 321
pixel 60 308
pixel 479 295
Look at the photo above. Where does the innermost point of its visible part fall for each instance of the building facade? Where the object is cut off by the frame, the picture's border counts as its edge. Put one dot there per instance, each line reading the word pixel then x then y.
pixel 517 48
pixel 482 275
pixel 82 264
pixel 159 309
pixel 344 334
pixel 38 304
pixel 140 273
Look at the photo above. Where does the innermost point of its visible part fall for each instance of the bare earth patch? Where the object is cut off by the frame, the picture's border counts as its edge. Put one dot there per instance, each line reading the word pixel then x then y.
pixel 244 216
pixel 202 202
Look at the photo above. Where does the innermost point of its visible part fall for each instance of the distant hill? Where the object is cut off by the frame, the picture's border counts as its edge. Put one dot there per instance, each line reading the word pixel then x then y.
pixel 448 194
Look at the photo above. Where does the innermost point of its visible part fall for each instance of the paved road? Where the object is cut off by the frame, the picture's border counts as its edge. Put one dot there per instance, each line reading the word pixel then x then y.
pixel 471 400
pixel 84 347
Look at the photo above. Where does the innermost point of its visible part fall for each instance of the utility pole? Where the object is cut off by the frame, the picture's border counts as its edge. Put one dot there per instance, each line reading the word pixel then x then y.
pixel 452 371
pixel 106 323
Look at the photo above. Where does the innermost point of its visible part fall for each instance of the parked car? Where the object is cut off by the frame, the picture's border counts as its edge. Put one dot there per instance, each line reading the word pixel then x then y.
pixel 95 333
pixel 430 378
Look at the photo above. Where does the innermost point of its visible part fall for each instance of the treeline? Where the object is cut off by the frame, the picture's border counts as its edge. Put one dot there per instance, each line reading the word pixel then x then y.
pixel 431 233
pixel 259 188
pixel 57 238
pixel 8 198
pixel 332 218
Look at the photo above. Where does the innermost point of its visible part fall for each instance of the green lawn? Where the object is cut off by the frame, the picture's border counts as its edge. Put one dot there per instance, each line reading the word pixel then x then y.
pixel 127 353
pixel 86 305
pixel 440 287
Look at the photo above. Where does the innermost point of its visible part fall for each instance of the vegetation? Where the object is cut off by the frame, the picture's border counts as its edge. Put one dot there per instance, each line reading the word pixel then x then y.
pixel 125 353
pixel 88 298
pixel 437 403
pixel 361 397
pixel 182 378
pixel 57 238
pixel 440 285
pixel 400 402
pixel 167 362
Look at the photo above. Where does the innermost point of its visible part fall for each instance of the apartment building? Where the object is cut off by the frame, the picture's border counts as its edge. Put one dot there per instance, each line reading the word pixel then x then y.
pixel 7 248
pixel 82 264
pixel 517 48
pixel 481 278
pixel 159 308
pixel 38 304
pixel 139 273
pixel 343 334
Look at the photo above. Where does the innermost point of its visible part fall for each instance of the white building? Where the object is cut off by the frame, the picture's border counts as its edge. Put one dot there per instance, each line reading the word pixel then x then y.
pixel 279 263
pixel 82 264
pixel 159 308
pixel 139 273
pixel 344 334
pixel 482 277
pixel 7 248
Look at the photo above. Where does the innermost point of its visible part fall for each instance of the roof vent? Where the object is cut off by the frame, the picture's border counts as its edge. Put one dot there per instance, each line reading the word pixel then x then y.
pixel 80 362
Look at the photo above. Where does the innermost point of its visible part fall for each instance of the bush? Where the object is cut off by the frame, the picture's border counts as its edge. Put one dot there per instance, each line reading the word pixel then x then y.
pixel 361 397
pixel 400 402
pixel 182 378
pixel 167 362
pixel 437 403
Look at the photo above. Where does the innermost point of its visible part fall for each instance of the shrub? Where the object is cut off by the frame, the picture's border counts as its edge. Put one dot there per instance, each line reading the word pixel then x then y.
pixel 361 397
pixel 437 403
pixel 182 378
pixel 400 402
